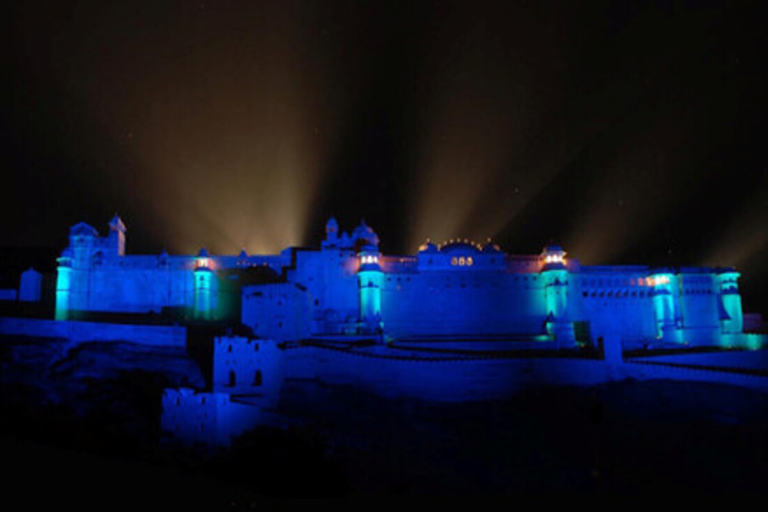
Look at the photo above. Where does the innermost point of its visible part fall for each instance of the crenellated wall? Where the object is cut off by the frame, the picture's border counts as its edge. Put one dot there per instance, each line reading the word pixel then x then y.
pixel 452 290
pixel 207 419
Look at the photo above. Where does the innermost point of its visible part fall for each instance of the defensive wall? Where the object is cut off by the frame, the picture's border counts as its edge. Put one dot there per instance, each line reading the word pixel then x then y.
pixel 76 331
pixel 192 417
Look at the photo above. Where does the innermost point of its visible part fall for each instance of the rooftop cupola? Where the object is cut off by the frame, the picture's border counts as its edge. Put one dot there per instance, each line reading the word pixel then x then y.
pixel 553 257
pixel 364 235
pixel 331 233
pixel 369 258
pixel 203 260
pixel 332 228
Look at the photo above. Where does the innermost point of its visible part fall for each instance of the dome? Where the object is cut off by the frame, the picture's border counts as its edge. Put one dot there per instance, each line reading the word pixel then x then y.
pixel 428 247
pixel 332 226
pixel 553 248
pixel 365 232
pixel 203 253
pixel 459 248
pixel 83 229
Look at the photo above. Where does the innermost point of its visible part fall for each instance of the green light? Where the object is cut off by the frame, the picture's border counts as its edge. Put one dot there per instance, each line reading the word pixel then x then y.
pixel 63 291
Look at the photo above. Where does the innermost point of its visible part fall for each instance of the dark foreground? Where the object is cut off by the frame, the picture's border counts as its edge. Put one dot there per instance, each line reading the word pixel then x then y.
pixel 97 443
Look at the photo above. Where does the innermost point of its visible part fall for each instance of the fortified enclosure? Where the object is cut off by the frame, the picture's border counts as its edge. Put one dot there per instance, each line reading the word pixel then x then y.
pixel 456 322
pixel 347 288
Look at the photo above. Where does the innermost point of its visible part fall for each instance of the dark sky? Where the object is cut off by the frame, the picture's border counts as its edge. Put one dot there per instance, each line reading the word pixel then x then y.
pixel 630 132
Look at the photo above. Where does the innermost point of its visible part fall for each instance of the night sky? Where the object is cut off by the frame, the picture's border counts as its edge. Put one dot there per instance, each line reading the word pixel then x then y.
pixel 628 132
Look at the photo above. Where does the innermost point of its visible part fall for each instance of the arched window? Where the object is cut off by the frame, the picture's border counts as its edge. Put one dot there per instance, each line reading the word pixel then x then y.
pixel 98 259
pixel 257 378
pixel 232 379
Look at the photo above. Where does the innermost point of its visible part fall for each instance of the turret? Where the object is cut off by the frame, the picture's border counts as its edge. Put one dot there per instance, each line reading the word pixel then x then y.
pixel 364 235
pixel 555 276
pixel 332 239
pixel 117 235
pixel 72 281
pixel 370 280
pixel 64 285
pixel 332 231
pixel 731 315
pixel 665 305
pixel 206 287
pixel 82 241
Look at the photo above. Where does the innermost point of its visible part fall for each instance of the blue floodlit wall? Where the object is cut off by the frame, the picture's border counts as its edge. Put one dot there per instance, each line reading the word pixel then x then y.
pixel 157 335
pixel 95 274
pixel 457 289
pixel 370 281
pixel 244 366
pixel 206 290
pixel 193 418
pixel 460 291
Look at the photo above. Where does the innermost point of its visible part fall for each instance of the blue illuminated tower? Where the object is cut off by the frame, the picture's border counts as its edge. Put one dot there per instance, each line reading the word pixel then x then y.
pixel 63 285
pixel 370 279
pixel 72 282
pixel 555 276
pixel 731 316
pixel 205 287
pixel 666 305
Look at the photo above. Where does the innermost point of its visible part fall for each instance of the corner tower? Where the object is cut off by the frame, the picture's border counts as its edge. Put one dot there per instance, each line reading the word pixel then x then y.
pixel 665 306
pixel 206 289
pixel 555 276
pixel 731 315
pixel 370 279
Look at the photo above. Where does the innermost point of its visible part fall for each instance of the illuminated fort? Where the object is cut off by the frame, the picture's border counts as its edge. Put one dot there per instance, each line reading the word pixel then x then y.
pixel 457 321
pixel 454 290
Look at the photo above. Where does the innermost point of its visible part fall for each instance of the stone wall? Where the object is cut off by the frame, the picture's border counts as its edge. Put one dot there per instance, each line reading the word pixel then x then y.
pixel 95 331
